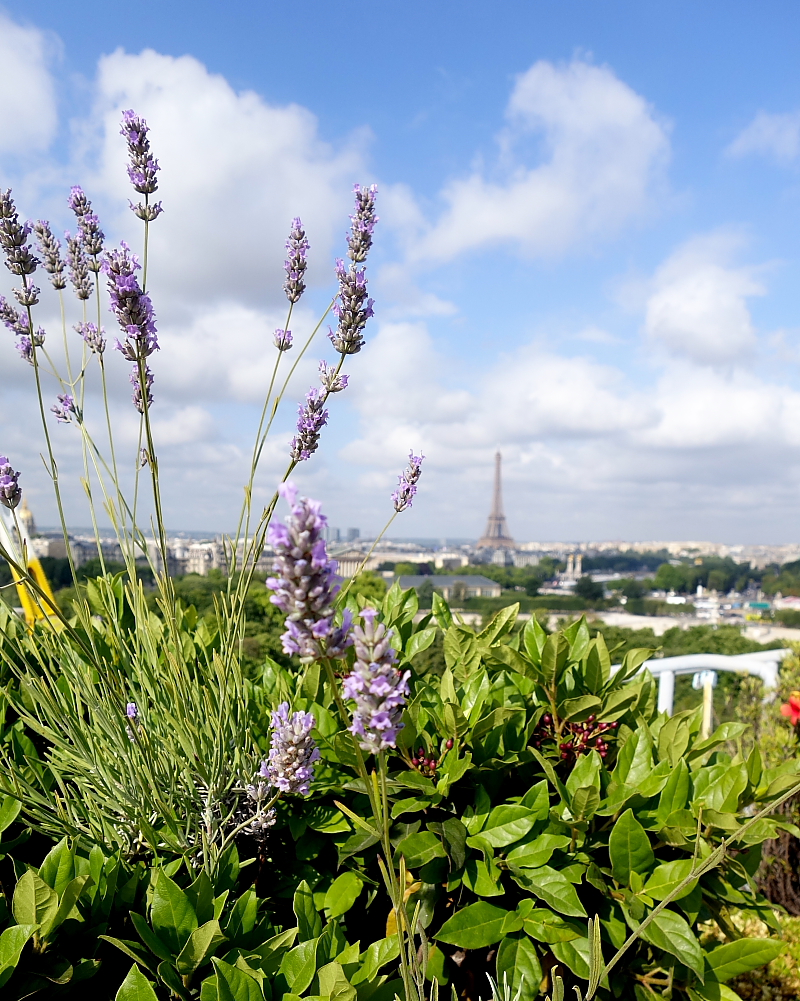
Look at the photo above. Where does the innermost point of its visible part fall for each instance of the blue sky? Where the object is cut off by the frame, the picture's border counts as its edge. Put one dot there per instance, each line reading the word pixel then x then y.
pixel 588 252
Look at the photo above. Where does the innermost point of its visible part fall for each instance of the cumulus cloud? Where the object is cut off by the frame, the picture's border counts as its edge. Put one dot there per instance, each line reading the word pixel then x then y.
pixel 602 154
pixel 776 136
pixel 698 305
pixel 28 111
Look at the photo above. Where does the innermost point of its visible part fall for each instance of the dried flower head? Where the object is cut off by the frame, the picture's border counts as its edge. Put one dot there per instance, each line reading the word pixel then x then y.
pixel 310 422
pixel 137 398
pixel 359 239
pixel 78 265
pixel 50 249
pixel 407 483
pixel 65 408
pixel 292 752
pixel 10 490
pixel 304 584
pixel 331 382
pixel 297 247
pixel 282 339
pixel 14 238
pixel 28 295
pixel 143 167
pixel 376 685
pixel 352 307
pixel 95 338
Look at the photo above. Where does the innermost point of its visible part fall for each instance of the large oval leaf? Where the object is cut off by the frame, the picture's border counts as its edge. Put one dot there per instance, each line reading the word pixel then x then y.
pixel 538 852
pixel 474 927
pixel 506 824
pixel 733 958
pixel 669 931
pixel 553 888
pixel 667 877
pixel 518 966
pixel 629 848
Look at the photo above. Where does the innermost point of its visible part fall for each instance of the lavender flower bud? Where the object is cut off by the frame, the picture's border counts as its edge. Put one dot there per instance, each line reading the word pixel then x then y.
pixel 310 422
pixel 10 490
pixel 131 306
pixel 297 247
pixel 376 685
pixel 363 220
pixel 94 338
pixel 143 167
pixel 15 321
pixel 28 295
pixel 282 339
pixel 50 249
pixel 407 483
pixel 138 401
pixel 89 225
pixel 14 238
pixel 303 585
pixel 65 409
pixel 353 309
pixel 26 344
pixel 132 711
pixel 78 267
pixel 292 753
pixel 331 382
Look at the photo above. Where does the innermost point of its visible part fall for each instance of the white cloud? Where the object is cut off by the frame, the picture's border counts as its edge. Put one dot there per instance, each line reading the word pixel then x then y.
pixel 603 154
pixel 28 113
pixel 774 135
pixel 698 304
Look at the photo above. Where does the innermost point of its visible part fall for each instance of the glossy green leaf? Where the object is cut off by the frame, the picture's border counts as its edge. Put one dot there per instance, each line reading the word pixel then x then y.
pixel 34 902
pixel 334 984
pixel 299 966
pixel 585 773
pixel 675 794
pixel 545 926
pixel 69 899
pixel 9 811
pixel 201 944
pixel 554 656
pixel 506 824
pixel 629 848
pixel 553 888
pixel 58 868
pixel 574 955
pixel 733 958
pixel 171 913
pixel 537 852
pixel 342 894
pixel 474 927
pixel 234 984
pixel 309 922
pixel 667 877
pixel 12 942
pixel 670 932
pixel 712 990
pixel 379 953
pixel 420 848
pixel 136 987
pixel 518 966
pixel 149 937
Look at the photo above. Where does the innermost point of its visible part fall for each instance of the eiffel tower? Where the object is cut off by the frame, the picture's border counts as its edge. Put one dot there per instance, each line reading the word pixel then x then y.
pixel 497 535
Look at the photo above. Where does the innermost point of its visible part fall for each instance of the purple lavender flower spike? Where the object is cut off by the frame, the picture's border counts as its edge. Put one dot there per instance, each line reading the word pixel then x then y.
pixel 304 586
pixel 352 307
pixel 293 751
pixel 138 401
pixel 25 344
pixel 132 711
pixel 91 235
pixel 407 483
pixel 95 339
pixel 16 322
pixel 65 409
pixel 143 167
pixel 131 306
pixel 78 265
pixel 50 249
pixel 376 685
pixel 14 238
pixel 282 339
pixel 331 382
pixel 10 490
pixel 311 419
pixel 363 220
pixel 297 247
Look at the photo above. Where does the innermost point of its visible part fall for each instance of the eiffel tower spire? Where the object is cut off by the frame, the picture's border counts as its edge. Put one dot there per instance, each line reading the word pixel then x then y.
pixel 497 535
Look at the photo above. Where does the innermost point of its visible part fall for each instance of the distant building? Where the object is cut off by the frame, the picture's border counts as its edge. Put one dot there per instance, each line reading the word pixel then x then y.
pixel 458 586
pixel 349 562
pixel 353 534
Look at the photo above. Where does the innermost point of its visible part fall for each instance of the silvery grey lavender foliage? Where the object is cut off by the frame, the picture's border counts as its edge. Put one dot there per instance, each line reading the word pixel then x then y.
pixel 378 688
pixel 407 483
pixel 363 221
pixel 94 338
pixel 282 339
pixel 138 401
pixel 352 307
pixel 143 166
pixel 89 225
pixel 297 247
pixel 65 409
pixel 312 418
pixel 50 249
pixel 10 490
pixel 14 238
pixel 78 265
pixel 292 753
pixel 303 585
pixel 331 382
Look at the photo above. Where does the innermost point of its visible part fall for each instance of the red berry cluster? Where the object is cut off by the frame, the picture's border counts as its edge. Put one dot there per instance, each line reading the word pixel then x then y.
pixel 427 765
pixel 576 738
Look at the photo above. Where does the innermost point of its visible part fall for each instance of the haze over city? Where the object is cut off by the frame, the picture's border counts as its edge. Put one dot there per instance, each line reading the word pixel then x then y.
pixel 587 254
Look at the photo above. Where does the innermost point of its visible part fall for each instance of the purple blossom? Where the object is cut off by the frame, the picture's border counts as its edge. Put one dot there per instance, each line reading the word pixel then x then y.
pixel 282 339
pixel 50 249
pixel 94 338
pixel 352 308
pixel 65 409
pixel 407 483
pixel 78 265
pixel 143 166
pixel 132 711
pixel 378 688
pixel 14 238
pixel 311 419
pixel 28 295
pixel 131 306
pixel 297 247
pixel 363 220
pixel 26 344
pixel 10 490
pixel 331 382
pixel 16 322
pixel 89 225
pixel 292 753
pixel 304 583
pixel 138 402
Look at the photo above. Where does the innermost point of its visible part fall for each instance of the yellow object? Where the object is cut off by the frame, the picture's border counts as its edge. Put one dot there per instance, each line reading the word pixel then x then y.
pixel 34 606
